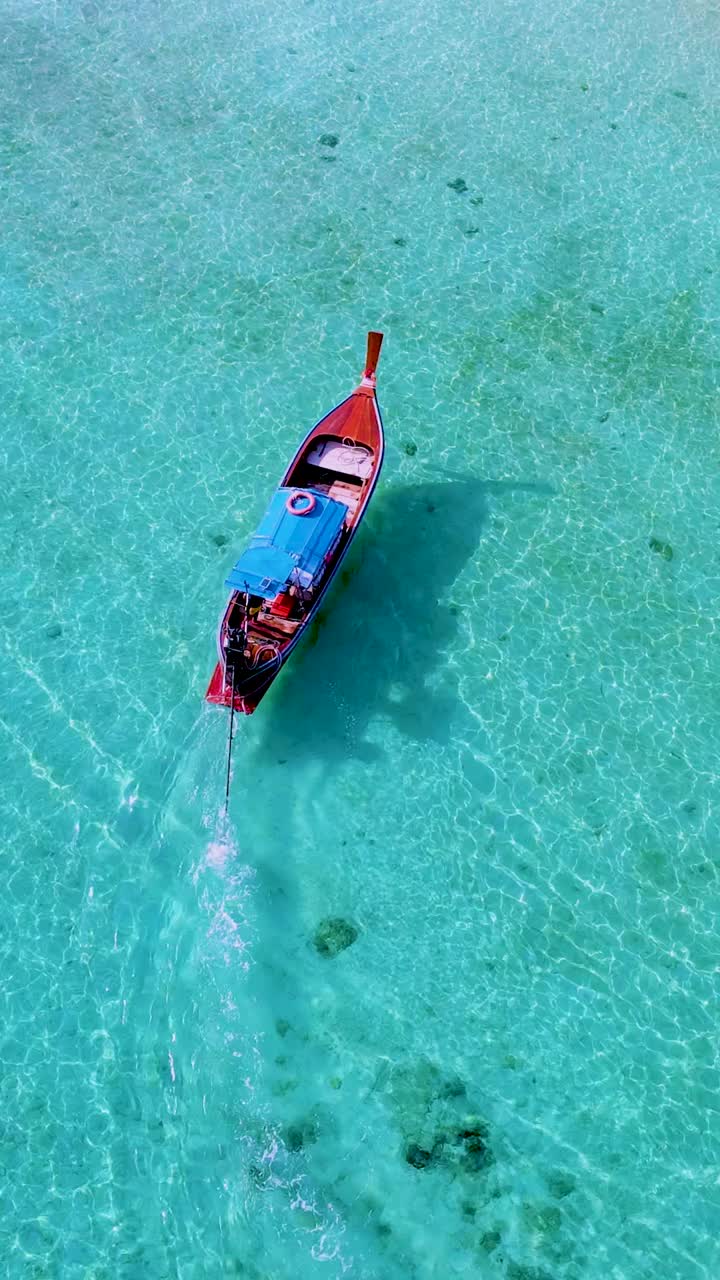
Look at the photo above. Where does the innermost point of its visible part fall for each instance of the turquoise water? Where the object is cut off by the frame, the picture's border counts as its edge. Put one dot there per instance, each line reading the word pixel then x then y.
pixel 496 757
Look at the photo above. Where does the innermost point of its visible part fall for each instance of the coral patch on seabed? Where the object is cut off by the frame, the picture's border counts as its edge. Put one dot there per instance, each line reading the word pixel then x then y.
pixel 661 548
pixel 417 1156
pixel 301 1134
pixel 519 1271
pixel 432 1112
pixel 334 935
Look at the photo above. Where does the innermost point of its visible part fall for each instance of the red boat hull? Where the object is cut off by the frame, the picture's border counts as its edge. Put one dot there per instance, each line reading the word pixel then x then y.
pixel 220 693
pixel 354 426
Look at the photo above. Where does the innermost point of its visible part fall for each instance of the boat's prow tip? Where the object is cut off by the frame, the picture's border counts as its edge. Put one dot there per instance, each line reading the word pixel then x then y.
pixel 374 343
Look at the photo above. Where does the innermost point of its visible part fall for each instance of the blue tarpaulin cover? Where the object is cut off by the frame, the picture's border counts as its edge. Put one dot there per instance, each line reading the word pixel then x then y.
pixel 287 547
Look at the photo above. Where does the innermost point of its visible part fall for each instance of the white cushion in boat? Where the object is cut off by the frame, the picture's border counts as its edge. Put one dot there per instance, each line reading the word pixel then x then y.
pixel 345 459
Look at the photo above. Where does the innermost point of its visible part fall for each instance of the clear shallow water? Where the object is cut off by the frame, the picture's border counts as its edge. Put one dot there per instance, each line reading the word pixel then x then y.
pixel 496 756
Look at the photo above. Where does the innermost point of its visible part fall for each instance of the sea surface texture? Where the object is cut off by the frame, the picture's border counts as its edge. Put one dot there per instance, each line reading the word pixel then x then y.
pixel 439 997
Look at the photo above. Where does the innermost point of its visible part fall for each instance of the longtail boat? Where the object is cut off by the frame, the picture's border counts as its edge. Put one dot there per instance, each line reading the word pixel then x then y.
pixel 280 580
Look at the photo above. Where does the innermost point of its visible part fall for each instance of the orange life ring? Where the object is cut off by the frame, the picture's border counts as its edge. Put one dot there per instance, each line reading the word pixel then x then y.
pixel 305 497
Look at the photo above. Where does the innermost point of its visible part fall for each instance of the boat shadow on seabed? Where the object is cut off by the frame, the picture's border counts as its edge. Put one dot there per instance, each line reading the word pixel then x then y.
pixel 378 645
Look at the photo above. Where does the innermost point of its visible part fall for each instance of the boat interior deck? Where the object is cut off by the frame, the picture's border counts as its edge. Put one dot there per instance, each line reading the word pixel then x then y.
pixel 342 488
pixel 341 470
pixel 338 468
pixel 266 624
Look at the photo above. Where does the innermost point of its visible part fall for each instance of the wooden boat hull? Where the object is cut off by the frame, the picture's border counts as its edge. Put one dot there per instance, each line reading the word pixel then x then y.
pixel 351 432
